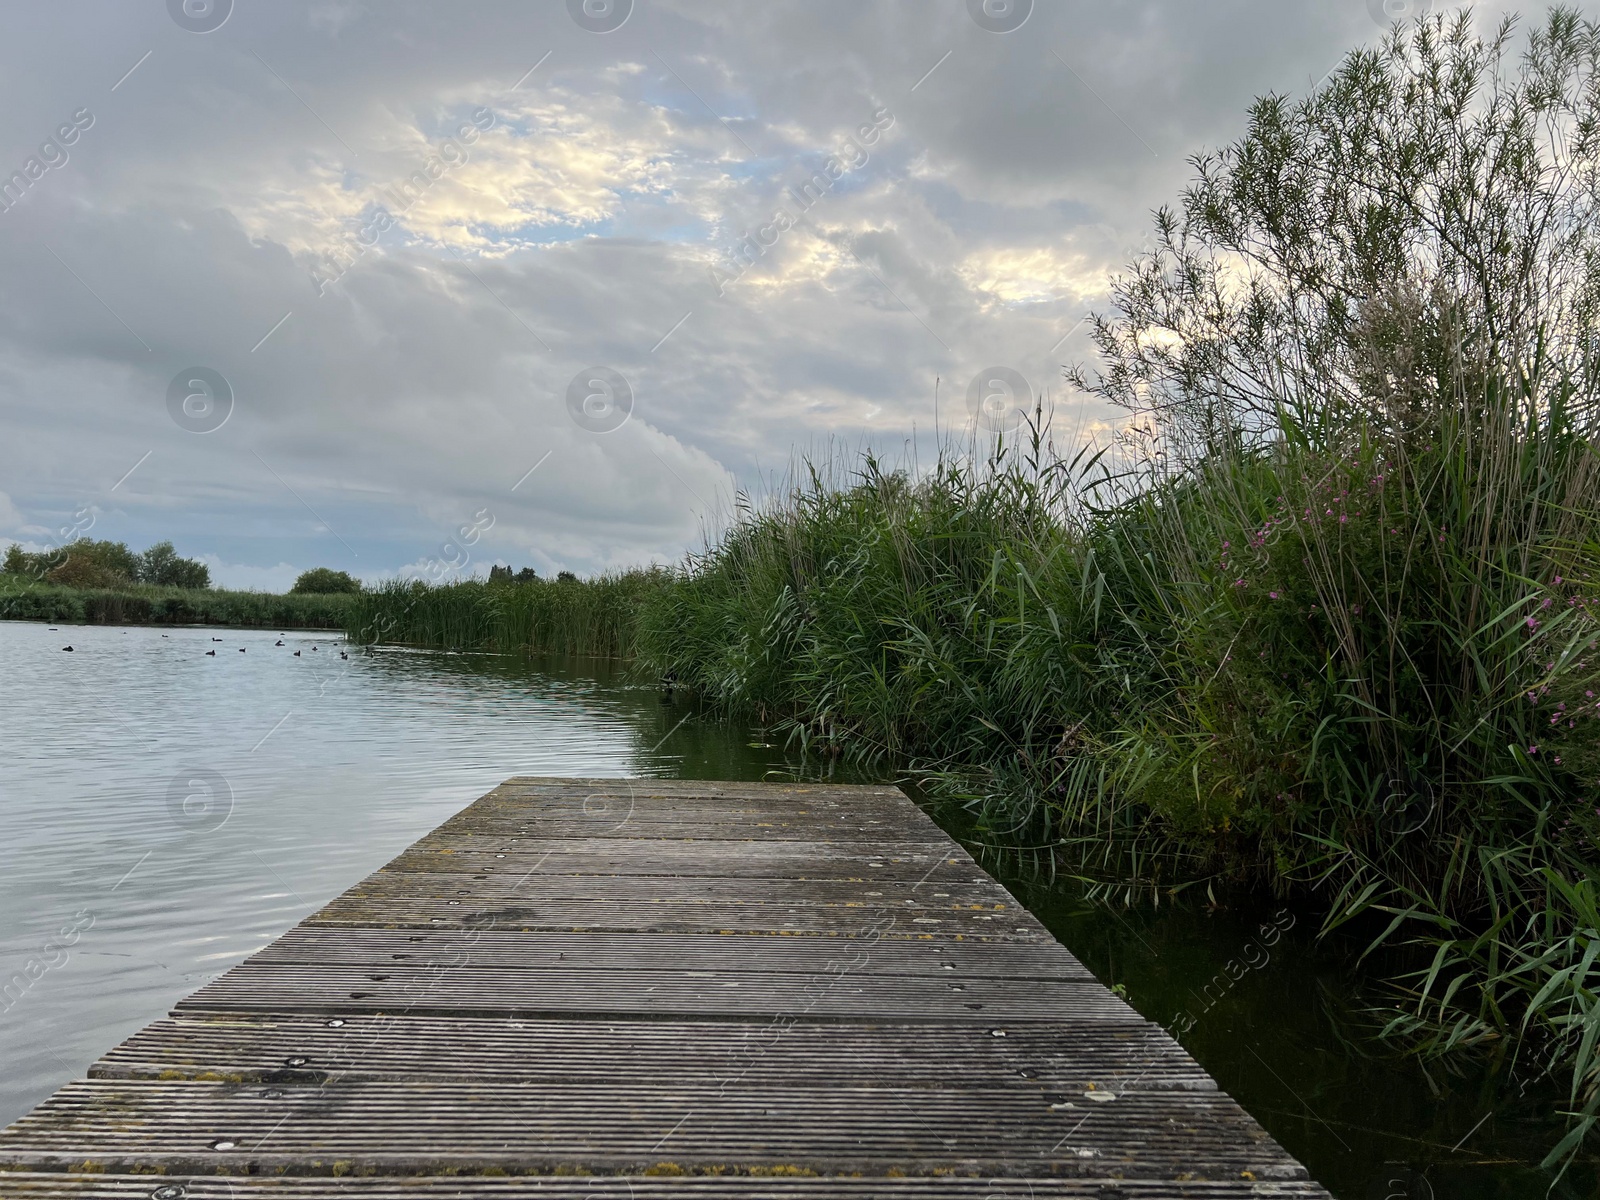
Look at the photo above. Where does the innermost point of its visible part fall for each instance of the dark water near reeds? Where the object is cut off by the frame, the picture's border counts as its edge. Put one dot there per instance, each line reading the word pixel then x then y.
pixel 324 768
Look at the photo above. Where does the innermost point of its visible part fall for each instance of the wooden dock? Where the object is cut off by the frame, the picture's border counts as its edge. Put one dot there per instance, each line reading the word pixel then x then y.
pixel 655 990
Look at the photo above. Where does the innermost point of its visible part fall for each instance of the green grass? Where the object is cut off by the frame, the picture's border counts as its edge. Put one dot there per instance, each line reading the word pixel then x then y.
pixel 24 599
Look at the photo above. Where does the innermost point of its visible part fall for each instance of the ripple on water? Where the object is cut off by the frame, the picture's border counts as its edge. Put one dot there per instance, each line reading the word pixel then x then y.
pixel 186 808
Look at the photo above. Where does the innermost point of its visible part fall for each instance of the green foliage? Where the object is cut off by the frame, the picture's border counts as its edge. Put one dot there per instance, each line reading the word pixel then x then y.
pixel 1366 356
pixel 504 574
pixel 82 563
pixel 322 581
pixel 594 617
pixel 161 566
pixel 114 560
pixel 21 599
pixel 1338 676
pixel 1328 265
pixel 86 563
pixel 84 570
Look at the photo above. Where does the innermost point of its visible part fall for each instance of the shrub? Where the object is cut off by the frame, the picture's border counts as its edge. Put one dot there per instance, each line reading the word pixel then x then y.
pixel 84 571
pixel 325 581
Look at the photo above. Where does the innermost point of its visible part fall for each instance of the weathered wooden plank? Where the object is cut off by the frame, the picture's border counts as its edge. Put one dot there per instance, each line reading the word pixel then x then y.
pixel 633 1126
pixel 1073 1057
pixel 682 916
pixel 34 1186
pixel 667 826
pixel 467 990
pixel 609 808
pixel 497 879
pixel 589 798
pixel 890 955
pixel 749 858
pixel 855 795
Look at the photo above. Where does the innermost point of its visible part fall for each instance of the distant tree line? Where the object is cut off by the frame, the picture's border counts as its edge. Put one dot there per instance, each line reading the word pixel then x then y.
pixel 103 564
pixel 505 574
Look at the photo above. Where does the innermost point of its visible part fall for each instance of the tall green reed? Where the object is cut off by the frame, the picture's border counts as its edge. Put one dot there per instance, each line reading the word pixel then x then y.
pixel 594 617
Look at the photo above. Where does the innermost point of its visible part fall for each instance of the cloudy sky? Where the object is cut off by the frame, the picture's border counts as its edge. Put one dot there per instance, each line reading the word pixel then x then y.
pixel 571 272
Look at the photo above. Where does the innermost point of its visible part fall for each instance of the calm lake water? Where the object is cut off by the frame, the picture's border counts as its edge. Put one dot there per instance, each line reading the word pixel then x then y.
pixel 317 769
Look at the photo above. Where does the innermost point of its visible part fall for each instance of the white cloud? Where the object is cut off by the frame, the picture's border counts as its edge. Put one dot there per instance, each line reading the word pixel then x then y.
pixel 10 519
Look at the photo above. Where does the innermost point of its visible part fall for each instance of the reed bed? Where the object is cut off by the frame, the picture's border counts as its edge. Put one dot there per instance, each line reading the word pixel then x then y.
pixel 23 599
pixel 591 618
pixel 1365 680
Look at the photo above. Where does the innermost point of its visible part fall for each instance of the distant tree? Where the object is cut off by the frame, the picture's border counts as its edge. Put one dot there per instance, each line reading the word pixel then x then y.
pixel 101 564
pixel 156 562
pixel 566 577
pixel 161 565
pixel 119 564
pixel 18 561
pixel 81 564
pixel 325 580
pixel 187 573
pixel 82 571
pixel 36 566
pixel 506 574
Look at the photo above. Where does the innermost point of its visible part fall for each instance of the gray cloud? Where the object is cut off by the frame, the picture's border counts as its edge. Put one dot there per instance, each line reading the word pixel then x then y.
pixel 225 172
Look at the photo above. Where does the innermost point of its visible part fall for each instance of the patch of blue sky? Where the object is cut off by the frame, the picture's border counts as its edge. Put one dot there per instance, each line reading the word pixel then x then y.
pixel 739 122
pixel 746 169
pixel 675 232
pixel 496 241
